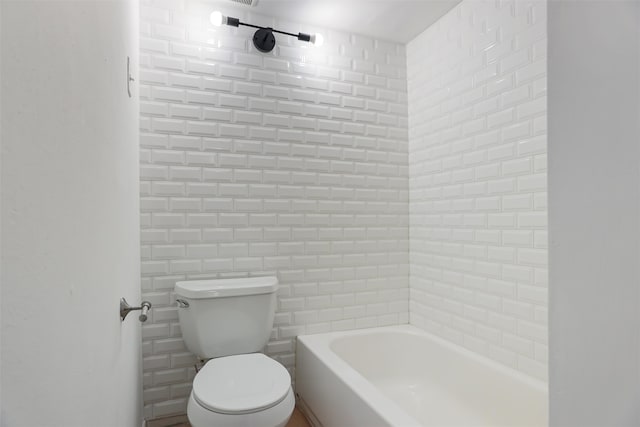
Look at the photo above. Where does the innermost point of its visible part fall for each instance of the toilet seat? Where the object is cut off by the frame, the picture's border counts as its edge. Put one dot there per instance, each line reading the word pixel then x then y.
pixel 241 384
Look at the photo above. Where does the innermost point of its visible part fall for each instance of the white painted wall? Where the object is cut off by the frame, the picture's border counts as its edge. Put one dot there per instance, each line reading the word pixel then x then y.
pixel 477 179
pixel 291 163
pixel 70 227
pixel 594 214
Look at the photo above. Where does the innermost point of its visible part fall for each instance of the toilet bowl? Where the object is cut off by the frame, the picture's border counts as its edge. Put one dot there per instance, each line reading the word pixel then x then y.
pixel 228 321
pixel 249 390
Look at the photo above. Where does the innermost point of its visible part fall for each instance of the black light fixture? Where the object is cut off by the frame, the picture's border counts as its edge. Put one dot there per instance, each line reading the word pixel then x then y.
pixel 263 38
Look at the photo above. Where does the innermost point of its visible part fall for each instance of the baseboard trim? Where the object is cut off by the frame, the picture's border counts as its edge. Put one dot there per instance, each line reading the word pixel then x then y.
pixel 308 413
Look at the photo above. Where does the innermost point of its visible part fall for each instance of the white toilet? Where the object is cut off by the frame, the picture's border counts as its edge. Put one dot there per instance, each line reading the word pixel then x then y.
pixel 229 321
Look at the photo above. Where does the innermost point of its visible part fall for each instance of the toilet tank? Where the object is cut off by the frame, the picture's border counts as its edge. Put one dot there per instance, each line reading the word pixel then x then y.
pixel 223 317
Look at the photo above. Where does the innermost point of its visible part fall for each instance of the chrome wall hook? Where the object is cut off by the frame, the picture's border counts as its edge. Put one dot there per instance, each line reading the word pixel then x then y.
pixel 125 308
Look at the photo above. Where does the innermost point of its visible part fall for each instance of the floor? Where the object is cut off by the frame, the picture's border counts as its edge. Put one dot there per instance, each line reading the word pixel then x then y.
pixel 297 420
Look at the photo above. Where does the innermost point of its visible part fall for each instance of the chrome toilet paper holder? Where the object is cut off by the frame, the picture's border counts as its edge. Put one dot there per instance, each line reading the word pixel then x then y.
pixel 125 308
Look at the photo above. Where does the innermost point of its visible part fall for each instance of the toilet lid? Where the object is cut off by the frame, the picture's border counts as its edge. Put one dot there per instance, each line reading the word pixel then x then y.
pixel 241 384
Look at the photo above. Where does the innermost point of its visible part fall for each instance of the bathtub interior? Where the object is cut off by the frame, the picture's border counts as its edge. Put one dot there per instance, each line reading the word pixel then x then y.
pixel 439 384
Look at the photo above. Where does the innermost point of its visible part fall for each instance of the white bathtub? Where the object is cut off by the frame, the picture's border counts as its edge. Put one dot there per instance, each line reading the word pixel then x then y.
pixel 400 376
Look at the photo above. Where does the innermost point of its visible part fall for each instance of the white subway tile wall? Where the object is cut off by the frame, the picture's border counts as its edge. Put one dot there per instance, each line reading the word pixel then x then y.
pixel 291 163
pixel 477 178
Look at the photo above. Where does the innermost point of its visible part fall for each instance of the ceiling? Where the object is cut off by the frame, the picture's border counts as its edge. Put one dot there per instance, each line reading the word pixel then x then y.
pixel 396 20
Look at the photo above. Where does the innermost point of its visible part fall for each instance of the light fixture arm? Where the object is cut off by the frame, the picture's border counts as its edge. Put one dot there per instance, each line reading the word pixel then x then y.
pixel 300 36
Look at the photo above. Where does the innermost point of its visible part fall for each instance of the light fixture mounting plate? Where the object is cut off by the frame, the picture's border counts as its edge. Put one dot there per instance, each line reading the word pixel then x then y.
pixel 264 40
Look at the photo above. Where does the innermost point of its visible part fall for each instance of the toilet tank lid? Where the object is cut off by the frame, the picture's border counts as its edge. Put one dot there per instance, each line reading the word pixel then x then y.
pixel 221 288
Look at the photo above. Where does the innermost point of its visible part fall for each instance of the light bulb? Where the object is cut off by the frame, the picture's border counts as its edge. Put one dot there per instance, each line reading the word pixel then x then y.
pixel 217 18
pixel 317 39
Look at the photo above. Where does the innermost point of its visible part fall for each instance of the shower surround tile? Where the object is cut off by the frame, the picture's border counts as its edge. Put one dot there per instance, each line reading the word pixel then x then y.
pixel 315 165
pixel 477 178
pixel 292 163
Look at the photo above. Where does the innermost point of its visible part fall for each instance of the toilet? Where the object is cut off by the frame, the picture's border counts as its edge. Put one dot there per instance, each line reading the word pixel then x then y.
pixel 228 322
